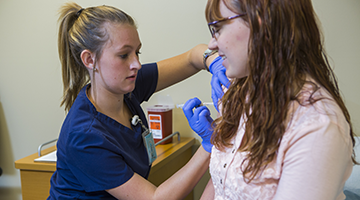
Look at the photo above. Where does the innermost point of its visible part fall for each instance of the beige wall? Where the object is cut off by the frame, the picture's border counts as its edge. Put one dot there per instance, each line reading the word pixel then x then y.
pixel 30 80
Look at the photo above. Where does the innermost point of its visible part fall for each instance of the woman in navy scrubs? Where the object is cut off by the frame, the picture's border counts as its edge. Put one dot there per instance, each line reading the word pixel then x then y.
pixel 100 154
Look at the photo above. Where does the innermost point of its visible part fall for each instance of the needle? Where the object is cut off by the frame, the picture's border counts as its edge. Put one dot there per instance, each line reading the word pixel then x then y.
pixel 202 104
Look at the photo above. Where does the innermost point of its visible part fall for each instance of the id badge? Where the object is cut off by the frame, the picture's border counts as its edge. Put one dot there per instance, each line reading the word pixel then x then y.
pixel 149 145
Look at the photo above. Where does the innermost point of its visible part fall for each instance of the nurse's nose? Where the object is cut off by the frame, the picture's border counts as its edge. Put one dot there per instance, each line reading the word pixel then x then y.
pixel 135 64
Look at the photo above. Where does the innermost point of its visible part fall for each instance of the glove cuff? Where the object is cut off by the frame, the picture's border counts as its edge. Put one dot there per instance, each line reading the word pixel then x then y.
pixel 206 54
pixel 213 63
pixel 207 145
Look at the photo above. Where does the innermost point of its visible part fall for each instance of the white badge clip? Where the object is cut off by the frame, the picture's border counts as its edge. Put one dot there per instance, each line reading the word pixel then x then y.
pixel 147 138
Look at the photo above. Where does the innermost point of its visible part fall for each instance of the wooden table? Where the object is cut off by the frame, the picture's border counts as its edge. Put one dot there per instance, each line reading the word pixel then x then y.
pixel 35 176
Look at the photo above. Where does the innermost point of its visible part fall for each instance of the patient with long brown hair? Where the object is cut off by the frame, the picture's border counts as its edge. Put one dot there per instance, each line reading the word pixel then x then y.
pixel 284 130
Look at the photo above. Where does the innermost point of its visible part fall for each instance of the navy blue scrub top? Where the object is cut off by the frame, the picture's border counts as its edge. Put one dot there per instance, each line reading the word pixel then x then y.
pixel 95 152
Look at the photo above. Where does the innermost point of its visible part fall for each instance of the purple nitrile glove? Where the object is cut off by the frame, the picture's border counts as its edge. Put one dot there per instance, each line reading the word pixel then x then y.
pixel 199 121
pixel 219 78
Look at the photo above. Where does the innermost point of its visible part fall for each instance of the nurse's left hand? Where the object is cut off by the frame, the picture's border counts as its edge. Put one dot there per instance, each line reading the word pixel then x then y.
pixel 199 121
pixel 218 79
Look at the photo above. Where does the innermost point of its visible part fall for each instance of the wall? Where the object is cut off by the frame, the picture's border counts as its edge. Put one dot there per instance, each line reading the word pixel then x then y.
pixel 30 80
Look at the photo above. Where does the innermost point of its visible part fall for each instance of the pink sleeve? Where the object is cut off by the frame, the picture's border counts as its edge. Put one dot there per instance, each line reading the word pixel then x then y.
pixel 317 162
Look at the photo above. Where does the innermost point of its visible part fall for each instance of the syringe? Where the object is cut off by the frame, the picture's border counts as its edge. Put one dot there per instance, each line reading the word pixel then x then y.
pixel 202 104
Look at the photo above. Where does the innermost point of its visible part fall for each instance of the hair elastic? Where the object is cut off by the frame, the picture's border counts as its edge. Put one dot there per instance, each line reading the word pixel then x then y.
pixel 79 12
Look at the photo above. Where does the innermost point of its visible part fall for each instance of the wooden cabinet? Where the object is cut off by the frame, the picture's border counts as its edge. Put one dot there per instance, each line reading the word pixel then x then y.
pixel 35 176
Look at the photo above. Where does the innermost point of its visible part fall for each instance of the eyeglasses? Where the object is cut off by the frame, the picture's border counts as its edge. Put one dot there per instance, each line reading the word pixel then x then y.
pixel 214 29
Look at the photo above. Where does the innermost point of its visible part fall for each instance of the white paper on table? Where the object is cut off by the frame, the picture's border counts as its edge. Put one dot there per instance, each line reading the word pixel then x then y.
pixel 50 157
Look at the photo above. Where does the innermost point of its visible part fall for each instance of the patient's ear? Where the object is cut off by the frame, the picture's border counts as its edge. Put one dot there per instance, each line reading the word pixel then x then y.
pixel 88 59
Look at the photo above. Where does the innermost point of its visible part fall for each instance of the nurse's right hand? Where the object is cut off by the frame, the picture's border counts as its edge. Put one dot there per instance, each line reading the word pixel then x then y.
pixel 199 121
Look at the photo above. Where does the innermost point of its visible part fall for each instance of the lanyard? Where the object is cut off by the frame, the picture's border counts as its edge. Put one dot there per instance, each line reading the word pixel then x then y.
pixel 147 139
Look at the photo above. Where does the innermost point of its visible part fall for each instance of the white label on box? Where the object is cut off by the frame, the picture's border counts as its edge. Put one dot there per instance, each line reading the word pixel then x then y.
pixel 155 126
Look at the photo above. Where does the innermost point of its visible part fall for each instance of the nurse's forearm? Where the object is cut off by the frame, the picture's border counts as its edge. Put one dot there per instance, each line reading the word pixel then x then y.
pixel 182 182
pixel 178 68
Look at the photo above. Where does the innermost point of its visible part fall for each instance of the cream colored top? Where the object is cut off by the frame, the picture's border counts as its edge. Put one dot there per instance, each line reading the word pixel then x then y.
pixel 313 161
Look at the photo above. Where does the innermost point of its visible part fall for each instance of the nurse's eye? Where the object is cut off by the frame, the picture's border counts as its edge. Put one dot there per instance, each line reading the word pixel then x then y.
pixel 123 56
pixel 138 53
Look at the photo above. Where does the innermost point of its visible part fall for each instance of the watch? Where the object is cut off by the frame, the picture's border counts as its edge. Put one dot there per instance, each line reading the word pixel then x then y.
pixel 206 54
